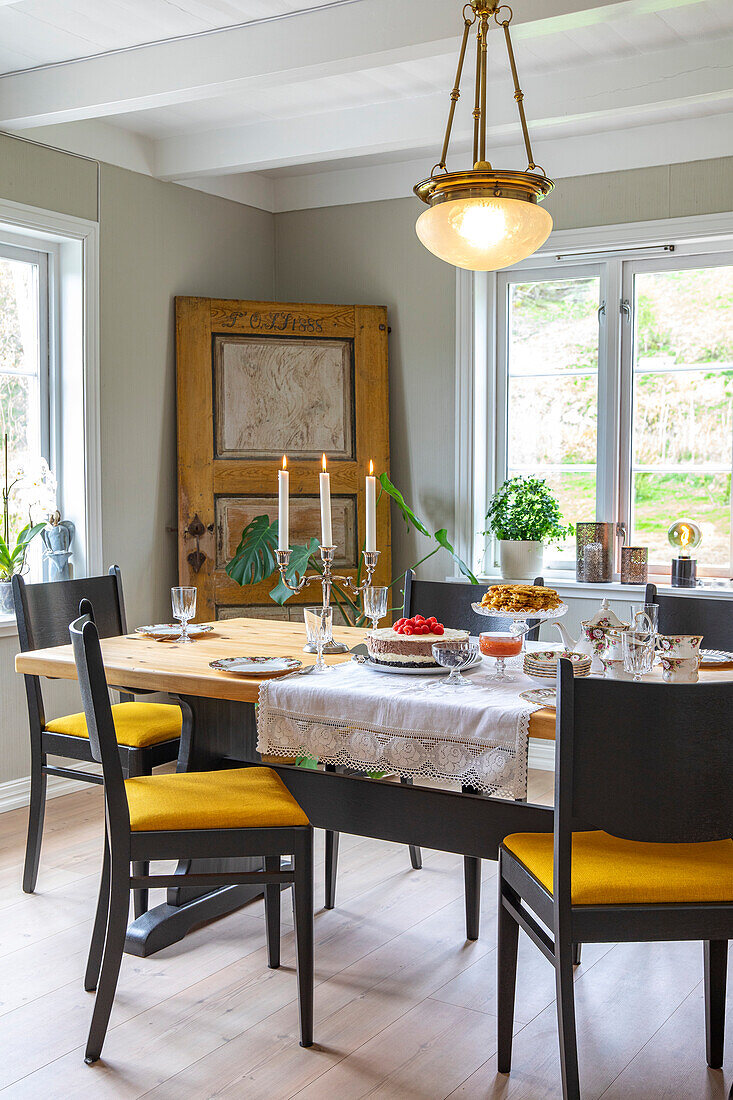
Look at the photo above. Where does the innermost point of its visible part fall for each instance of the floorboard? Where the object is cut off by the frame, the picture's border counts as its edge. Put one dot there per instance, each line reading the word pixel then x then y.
pixel 405 1006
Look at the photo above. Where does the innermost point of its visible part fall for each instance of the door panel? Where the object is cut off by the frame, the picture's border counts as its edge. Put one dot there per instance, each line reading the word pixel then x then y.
pixel 256 380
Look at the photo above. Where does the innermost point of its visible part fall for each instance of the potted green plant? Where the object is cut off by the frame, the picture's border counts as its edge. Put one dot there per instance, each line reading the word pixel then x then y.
pixel 523 516
pixel 28 488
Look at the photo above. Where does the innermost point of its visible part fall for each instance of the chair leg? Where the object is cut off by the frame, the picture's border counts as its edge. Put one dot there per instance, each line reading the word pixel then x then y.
pixel 566 1021
pixel 36 814
pixel 716 962
pixel 415 853
pixel 119 903
pixel 140 898
pixel 507 943
pixel 303 903
pixel 472 886
pixel 96 946
pixel 272 914
pixel 577 948
pixel 332 862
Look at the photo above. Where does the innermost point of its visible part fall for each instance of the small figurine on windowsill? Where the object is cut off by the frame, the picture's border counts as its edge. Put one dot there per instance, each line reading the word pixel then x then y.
pixel 684 535
pixel 57 537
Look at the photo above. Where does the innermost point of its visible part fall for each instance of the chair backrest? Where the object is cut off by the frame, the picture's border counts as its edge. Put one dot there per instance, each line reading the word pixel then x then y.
pixel 98 712
pixel 647 762
pixel 44 611
pixel 451 601
pixel 713 618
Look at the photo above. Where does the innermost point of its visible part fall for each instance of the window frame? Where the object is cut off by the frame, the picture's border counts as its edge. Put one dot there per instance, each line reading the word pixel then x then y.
pixel 74 440
pixel 481 357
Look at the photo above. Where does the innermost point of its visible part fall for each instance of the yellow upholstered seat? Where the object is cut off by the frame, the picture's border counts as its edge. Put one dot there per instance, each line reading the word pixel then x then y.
pixel 136 724
pixel 241 798
pixel 611 871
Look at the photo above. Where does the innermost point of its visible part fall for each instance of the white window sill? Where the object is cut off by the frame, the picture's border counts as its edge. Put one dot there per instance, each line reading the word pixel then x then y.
pixel 566 585
pixel 8 626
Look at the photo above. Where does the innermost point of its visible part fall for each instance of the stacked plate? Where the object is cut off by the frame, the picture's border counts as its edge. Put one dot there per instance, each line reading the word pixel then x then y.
pixel 541 664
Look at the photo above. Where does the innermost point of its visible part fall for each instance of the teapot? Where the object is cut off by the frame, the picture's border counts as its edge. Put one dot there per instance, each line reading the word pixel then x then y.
pixel 595 634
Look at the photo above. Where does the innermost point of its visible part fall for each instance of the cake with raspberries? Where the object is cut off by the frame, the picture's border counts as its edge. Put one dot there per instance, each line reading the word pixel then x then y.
pixel 409 643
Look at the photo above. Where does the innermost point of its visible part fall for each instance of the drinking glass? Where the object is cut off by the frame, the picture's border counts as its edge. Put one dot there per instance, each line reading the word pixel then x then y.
pixel 645 616
pixel 455 656
pixel 638 650
pixel 318 627
pixel 183 600
pixel 375 604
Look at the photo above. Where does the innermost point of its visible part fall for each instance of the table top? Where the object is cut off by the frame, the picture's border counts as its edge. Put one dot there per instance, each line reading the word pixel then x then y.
pixel 134 661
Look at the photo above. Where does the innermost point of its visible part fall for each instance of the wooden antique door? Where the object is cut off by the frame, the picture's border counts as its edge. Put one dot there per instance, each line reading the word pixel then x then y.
pixel 257 380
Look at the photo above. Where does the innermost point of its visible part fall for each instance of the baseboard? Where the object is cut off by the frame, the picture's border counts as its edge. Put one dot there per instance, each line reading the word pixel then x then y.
pixel 15 793
pixel 542 755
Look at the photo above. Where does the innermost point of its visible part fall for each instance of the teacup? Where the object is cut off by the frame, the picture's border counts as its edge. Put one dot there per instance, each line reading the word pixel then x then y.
pixel 614 669
pixel 680 670
pixel 614 647
pixel 679 645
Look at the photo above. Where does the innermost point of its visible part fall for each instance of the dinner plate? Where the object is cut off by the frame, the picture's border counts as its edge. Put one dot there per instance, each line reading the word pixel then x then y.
pixel 430 670
pixel 520 616
pixel 711 657
pixel 256 666
pixel 546 696
pixel 165 632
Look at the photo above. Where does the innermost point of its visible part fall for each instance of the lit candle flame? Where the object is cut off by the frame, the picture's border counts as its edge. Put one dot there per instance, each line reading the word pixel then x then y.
pixel 323 463
pixel 285 462
pixel 371 468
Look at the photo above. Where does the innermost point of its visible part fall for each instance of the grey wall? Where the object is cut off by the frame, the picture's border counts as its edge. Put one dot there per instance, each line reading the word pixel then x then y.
pixel 157 240
pixel 369 253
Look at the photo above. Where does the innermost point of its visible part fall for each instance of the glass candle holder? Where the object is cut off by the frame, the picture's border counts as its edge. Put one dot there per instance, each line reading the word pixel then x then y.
pixel 594 552
pixel 634 564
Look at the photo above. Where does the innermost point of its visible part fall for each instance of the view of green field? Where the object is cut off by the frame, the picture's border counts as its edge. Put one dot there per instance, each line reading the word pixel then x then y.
pixel 682 401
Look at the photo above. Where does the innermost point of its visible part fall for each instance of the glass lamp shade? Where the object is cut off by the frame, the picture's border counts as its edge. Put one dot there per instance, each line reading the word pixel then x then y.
pixel 684 535
pixel 483 233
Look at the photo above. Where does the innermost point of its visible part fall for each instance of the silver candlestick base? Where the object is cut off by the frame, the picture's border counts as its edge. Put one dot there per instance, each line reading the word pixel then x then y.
pixel 371 557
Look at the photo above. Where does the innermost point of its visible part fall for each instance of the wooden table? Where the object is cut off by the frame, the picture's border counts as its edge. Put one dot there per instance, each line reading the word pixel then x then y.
pixel 224 734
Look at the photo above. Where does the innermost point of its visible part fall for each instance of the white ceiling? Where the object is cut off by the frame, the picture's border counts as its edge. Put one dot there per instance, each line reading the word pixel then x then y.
pixel 285 104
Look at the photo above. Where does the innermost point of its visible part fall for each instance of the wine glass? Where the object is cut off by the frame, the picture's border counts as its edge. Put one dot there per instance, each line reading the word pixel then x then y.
pixel 318 627
pixel 638 650
pixel 183 600
pixel 455 656
pixel 375 603
pixel 645 616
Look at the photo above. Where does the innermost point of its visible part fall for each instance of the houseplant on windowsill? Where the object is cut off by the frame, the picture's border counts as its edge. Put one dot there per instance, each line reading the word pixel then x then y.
pixel 31 490
pixel 523 516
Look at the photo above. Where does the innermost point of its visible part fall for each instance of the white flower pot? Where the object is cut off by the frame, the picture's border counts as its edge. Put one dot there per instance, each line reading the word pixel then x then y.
pixel 520 561
pixel 7 606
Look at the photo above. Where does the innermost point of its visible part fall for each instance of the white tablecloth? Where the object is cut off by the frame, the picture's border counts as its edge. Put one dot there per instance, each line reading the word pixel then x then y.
pixel 373 721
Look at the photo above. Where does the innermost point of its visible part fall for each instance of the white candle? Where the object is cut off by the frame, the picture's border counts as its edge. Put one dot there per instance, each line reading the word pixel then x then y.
pixel 370 543
pixel 325 481
pixel 283 507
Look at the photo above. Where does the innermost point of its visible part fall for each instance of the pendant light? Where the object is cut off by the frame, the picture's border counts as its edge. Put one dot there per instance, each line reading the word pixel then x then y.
pixel 480 218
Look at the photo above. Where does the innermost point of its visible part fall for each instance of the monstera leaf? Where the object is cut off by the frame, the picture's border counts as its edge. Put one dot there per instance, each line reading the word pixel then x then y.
pixel 407 512
pixel 300 557
pixel 255 559
pixel 441 536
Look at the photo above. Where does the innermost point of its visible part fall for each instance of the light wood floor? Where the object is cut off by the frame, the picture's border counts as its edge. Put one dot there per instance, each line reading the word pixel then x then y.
pixel 405 1007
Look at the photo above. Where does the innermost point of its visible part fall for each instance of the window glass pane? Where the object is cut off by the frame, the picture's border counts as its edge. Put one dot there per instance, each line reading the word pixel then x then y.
pixel 683 409
pixel 659 499
pixel 19 357
pixel 552 390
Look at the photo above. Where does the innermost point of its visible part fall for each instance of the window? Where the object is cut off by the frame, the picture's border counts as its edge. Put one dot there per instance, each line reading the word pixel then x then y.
pixel 24 359
pixel 610 374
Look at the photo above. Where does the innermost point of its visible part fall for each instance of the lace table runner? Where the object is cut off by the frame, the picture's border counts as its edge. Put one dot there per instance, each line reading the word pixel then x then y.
pixel 371 721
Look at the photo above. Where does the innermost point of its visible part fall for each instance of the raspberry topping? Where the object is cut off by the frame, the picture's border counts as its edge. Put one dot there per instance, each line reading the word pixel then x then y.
pixel 418 624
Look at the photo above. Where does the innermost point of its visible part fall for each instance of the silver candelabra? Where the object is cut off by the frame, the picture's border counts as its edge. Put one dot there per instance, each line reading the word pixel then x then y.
pixel 371 557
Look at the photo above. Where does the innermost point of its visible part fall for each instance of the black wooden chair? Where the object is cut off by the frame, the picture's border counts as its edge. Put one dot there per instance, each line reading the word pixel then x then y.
pixel 648 768
pixel 695 615
pixel 187 815
pixel 148 734
pixel 451 601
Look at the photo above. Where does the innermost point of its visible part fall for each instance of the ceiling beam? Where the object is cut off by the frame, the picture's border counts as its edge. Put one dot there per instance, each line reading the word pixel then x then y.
pixel 663 143
pixel 304 46
pixel 592 95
